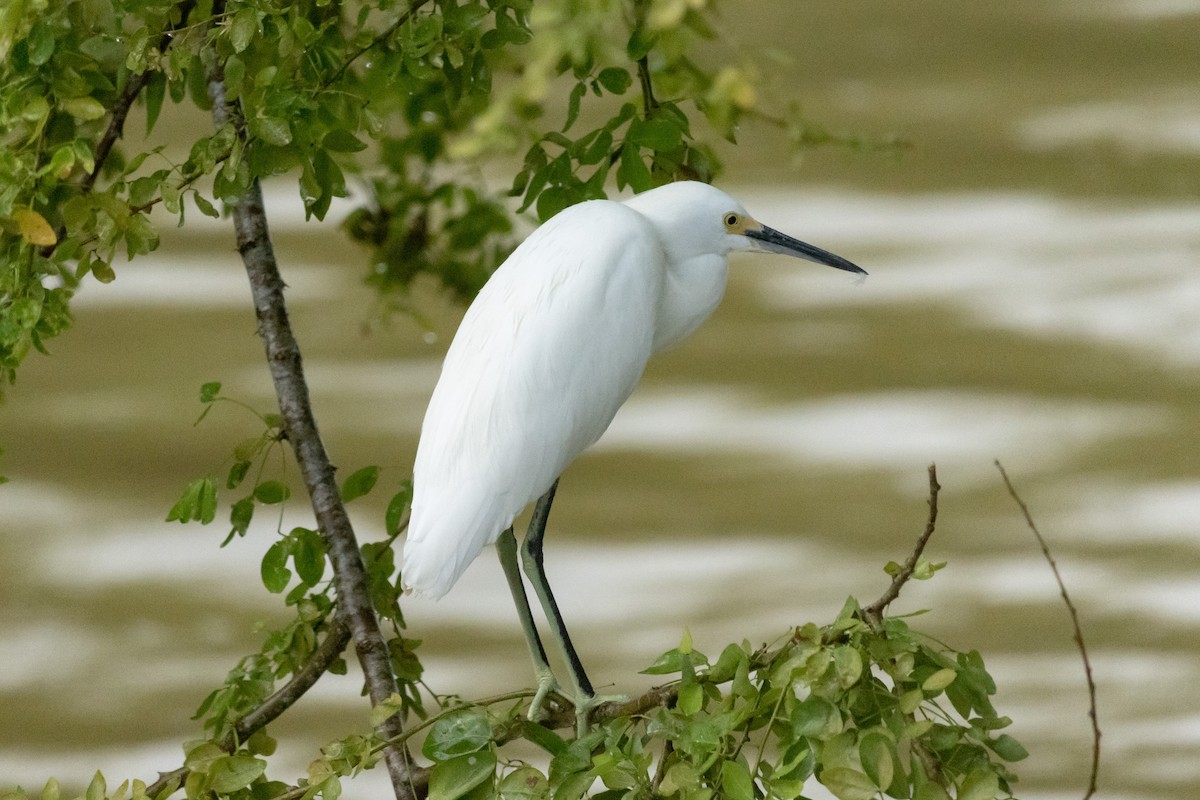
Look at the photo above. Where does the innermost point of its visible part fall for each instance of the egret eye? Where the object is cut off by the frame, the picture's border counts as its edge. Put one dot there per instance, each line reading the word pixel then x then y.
pixel 731 220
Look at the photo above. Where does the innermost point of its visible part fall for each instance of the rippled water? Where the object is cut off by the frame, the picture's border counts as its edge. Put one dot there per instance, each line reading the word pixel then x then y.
pixel 1032 298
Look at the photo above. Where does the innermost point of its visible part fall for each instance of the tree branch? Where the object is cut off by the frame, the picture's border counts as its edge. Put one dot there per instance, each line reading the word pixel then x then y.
pixel 873 613
pixel 378 40
pixel 116 121
pixel 649 103
pixel 1087 664
pixel 299 425
pixel 125 100
pixel 283 698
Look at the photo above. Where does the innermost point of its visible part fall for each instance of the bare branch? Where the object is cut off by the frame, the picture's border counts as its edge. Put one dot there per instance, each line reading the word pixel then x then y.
pixel 291 389
pixel 874 612
pixel 1087 664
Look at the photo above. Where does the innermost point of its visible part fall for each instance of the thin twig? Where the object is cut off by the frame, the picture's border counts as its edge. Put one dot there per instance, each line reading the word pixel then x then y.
pixel 335 641
pixel 378 40
pixel 291 389
pixel 133 88
pixel 649 103
pixel 116 121
pixel 303 679
pixel 1087 664
pixel 873 613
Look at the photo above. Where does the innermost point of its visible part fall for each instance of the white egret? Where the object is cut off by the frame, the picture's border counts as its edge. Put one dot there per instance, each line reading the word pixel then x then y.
pixel 551 347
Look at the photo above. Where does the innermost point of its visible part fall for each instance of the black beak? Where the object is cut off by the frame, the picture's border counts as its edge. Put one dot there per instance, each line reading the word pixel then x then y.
pixel 773 241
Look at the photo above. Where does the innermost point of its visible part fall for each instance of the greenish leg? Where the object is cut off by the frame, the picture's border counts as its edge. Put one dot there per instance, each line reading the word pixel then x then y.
pixel 531 552
pixel 506 548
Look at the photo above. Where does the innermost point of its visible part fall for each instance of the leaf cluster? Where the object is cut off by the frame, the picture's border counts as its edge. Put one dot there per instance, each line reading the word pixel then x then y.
pixel 864 711
pixel 300 554
pixel 404 98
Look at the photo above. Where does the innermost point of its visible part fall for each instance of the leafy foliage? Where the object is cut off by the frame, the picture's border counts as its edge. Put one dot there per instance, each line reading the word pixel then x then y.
pixel 866 712
pixel 406 99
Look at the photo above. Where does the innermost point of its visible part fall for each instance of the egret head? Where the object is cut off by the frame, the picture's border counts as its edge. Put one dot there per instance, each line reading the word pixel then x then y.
pixel 695 219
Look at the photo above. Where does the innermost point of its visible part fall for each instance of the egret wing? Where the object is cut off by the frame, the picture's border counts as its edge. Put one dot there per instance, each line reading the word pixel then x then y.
pixel 545 356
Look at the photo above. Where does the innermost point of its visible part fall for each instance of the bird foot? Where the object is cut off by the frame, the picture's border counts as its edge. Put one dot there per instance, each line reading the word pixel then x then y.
pixel 585 704
pixel 547 685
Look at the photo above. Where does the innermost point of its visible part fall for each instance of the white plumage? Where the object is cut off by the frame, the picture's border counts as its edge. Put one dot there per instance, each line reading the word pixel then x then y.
pixel 518 396
pixel 550 349
pixel 545 356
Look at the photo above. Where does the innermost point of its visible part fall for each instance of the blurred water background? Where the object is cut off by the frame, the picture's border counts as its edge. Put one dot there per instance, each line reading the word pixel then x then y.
pixel 1033 298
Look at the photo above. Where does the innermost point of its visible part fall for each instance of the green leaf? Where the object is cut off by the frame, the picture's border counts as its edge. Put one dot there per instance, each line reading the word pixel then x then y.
pixel 275 574
pixel 939 680
pixel 615 79
pixel 97 788
pixel 552 201
pixel 875 751
pixel 103 271
pixel 691 698
pixel 930 791
pixel 237 474
pixel 812 716
pixel 632 171
pixel 207 501
pixel 235 772
pixel 341 140
pixel 308 555
pixel 735 781
pixel 848 664
pixel 400 503
pixel 40 45
pixel 573 103
pixel 543 737
pixel 458 734
pixel 669 662
pixel 209 391
pixel 1008 748
pixel 271 130
pixel 980 785
pixel 655 134
pixel 271 492
pixel 848 784
pixel 84 108
pixel 524 783
pixel 382 712
pixel 240 515
pixel 155 91
pixel 359 483
pixel 206 208
pixel 640 43
pixel 198 501
pixel 453 779
pixel 911 700
pixel 243 29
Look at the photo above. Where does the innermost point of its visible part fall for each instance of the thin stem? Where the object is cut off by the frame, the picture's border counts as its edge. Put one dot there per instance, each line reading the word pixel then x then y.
pixel 133 88
pixel 873 613
pixel 335 641
pixel 1087 664
pixel 649 103
pixel 378 40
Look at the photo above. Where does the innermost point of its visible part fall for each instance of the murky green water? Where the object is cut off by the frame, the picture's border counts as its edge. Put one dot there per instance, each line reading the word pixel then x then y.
pixel 1032 298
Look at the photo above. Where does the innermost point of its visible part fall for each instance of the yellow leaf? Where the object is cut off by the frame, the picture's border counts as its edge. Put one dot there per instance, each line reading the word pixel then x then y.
pixel 33 227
